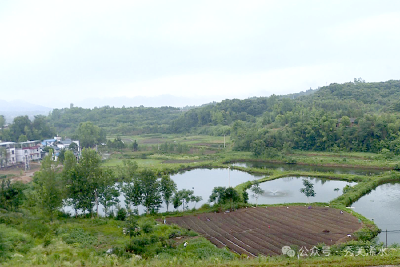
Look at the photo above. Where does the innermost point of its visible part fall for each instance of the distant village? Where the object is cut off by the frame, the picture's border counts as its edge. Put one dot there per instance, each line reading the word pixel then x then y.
pixel 22 153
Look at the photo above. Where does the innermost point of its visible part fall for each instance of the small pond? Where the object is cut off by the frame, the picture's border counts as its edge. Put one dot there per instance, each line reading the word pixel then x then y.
pixel 383 206
pixel 306 168
pixel 287 190
pixel 202 182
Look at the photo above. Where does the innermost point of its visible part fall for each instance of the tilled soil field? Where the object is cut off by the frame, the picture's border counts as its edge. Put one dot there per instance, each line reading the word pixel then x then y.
pixel 256 231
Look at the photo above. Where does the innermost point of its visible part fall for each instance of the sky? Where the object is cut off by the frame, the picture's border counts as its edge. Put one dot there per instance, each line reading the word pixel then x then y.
pixel 54 53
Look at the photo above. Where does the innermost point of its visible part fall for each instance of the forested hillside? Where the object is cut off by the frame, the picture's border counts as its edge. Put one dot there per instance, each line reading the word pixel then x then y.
pixel 354 116
pixel 133 120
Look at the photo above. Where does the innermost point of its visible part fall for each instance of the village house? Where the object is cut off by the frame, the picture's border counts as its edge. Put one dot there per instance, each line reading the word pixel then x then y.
pixel 19 153
pixel 7 154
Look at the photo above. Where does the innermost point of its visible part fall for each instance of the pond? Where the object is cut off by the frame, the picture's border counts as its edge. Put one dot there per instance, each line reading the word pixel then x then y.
pixel 287 190
pixel 383 206
pixel 201 181
pixel 306 168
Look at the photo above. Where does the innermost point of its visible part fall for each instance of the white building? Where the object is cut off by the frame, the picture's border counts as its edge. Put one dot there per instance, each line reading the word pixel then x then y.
pixel 10 157
pixel 27 151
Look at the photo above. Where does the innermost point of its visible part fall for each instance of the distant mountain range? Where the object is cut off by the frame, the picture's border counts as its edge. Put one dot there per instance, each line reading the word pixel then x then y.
pixel 16 108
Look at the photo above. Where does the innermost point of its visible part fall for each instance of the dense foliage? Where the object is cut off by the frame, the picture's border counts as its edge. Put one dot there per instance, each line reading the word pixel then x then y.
pixel 115 120
pixel 23 129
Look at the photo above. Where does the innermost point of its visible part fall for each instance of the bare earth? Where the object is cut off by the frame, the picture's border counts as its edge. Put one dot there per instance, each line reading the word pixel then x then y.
pixel 26 176
pixel 256 231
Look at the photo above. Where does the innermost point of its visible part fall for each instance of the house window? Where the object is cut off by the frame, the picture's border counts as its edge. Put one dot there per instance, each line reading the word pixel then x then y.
pixel 12 158
pixel 12 152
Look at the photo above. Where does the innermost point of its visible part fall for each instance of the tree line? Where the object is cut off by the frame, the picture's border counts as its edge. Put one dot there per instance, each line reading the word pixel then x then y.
pixel 85 184
pixel 23 129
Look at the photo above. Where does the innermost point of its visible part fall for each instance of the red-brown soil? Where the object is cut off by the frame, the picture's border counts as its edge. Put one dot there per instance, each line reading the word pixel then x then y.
pixel 256 231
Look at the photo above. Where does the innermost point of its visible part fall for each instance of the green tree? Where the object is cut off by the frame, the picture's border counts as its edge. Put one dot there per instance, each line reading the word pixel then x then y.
pixel 83 179
pixel 108 193
pixel 11 194
pixel 135 145
pixel 196 199
pixel 221 195
pixel 345 121
pixel 71 181
pixel 150 186
pixel 90 135
pixel 22 138
pixel 258 147
pixel 74 147
pixel 3 157
pixel 232 195
pixel 133 193
pixel 308 189
pixel 127 171
pixel 217 195
pixel 256 190
pixel 176 201
pixel 167 189
pixel 61 156
pixel 21 126
pixel 186 196
pixel 183 197
pixel 48 191
pixel 132 227
pixel 2 123
pixel 41 128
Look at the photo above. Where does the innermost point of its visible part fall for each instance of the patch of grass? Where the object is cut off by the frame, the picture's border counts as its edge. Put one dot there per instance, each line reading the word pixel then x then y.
pixel 13 241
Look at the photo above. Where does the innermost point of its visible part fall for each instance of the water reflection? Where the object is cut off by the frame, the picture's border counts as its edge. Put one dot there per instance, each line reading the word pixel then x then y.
pixel 287 190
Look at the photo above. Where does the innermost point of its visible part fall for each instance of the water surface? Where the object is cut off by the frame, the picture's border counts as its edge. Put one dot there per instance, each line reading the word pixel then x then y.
pixel 306 168
pixel 287 190
pixel 201 181
pixel 383 206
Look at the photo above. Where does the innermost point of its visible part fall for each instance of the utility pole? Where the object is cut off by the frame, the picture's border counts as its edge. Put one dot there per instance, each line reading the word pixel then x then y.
pixel 386 238
pixel 229 175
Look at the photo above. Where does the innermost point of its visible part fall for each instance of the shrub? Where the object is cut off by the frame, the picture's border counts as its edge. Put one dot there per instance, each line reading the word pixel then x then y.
pixel 12 240
pixel 47 239
pixel 36 228
pixel 205 206
pixel 121 214
pixel 77 235
pixel 147 227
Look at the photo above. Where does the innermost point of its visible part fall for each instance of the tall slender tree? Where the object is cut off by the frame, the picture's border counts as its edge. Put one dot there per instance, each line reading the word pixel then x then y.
pixel 257 191
pixel 48 191
pixel 151 197
pixel 168 188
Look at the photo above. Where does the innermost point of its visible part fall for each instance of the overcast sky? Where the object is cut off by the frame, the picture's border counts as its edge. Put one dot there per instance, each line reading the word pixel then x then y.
pixel 58 52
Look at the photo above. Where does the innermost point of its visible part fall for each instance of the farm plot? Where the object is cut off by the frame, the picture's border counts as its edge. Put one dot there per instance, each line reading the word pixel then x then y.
pixel 256 231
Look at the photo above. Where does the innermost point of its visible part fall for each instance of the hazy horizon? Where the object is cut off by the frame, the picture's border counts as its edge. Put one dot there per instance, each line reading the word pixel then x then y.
pixel 56 53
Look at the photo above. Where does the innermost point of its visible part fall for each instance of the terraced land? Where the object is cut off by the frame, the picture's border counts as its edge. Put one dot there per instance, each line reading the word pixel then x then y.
pixel 264 231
